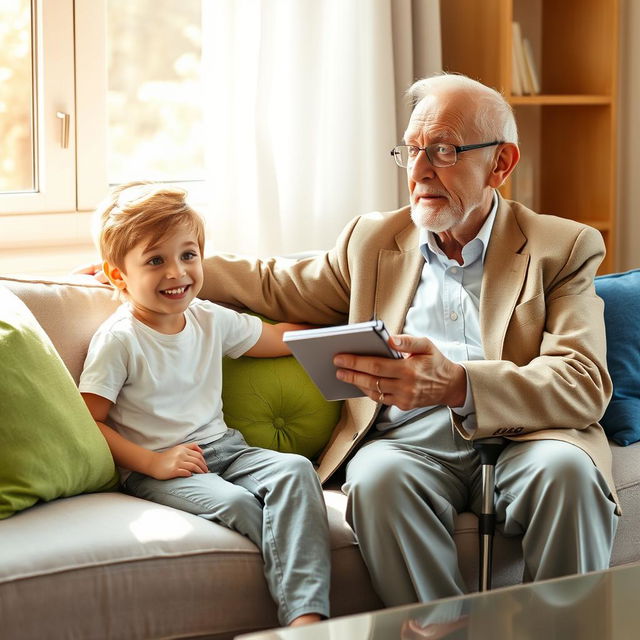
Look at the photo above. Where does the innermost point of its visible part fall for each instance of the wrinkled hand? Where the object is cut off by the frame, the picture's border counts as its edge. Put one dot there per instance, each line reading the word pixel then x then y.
pixel 94 269
pixel 178 462
pixel 424 377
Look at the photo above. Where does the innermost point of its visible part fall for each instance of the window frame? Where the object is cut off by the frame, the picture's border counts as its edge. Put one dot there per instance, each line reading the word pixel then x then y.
pixel 90 25
pixel 52 31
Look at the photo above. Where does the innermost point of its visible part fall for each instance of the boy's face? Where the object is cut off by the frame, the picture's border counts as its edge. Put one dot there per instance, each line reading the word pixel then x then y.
pixel 161 280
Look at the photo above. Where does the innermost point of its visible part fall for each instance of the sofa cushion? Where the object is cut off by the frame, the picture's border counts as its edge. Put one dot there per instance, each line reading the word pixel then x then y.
pixel 113 566
pixel 275 405
pixel 626 474
pixel 621 295
pixel 49 444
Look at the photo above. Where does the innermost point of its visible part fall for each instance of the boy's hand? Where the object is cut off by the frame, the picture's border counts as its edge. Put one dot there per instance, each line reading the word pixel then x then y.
pixel 178 462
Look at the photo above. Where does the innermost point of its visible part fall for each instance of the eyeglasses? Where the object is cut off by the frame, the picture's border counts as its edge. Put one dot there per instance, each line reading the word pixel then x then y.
pixel 440 154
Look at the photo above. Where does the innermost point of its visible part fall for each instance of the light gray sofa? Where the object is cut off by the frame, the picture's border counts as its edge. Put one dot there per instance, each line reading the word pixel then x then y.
pixel 108 565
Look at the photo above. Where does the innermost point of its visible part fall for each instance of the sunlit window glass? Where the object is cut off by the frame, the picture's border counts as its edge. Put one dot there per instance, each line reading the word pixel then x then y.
pixel 155 128
pixel 16 98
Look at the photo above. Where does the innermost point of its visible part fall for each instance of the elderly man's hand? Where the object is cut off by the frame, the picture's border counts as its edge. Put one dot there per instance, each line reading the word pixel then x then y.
pixel 94 269
pixel 424 377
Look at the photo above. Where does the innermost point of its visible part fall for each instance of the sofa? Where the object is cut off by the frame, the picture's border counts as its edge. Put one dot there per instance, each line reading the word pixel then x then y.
pixel 93 562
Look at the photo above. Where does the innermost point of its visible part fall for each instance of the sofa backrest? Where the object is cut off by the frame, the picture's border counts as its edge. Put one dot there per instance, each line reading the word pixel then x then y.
pixel 69 311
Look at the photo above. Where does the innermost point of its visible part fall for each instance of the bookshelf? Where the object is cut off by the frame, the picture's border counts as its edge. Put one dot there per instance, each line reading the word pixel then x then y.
pixel 568 130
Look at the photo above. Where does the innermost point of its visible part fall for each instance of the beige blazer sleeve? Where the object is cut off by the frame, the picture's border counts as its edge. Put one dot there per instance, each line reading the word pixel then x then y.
pixel 313 290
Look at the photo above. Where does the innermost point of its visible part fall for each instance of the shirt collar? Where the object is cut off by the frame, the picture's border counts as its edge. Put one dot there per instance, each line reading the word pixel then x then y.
pixel 429 246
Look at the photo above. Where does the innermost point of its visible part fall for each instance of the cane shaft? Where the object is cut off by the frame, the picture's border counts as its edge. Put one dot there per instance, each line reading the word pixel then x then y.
pixel 486 527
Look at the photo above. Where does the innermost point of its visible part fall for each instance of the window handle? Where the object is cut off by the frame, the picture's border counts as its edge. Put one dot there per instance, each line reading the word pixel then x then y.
pixel 64 129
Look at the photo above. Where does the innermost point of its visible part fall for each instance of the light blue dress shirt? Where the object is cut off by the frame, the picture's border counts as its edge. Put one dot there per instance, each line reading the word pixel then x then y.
pixel 446 309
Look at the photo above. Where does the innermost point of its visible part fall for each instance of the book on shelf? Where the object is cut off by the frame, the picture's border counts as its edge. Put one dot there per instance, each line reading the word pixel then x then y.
pixel 532 73
pixel 524 77
pixel 315 350
pixel 516 85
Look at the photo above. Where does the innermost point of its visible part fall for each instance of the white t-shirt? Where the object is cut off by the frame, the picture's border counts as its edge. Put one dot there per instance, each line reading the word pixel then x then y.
pixel 166 389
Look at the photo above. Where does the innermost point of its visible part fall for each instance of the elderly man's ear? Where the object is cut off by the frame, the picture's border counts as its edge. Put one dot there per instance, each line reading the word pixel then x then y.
pixel 504 163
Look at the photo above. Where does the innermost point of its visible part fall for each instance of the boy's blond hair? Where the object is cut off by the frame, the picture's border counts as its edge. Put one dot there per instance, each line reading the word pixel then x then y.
pixel 142 211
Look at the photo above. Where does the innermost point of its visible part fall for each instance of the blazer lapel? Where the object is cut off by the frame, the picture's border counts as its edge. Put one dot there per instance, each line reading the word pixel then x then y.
pixel 505 269
pixel 504 273
pixel 397 278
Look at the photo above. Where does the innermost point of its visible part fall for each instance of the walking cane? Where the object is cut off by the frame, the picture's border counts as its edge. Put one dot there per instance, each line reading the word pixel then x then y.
pixel 488 449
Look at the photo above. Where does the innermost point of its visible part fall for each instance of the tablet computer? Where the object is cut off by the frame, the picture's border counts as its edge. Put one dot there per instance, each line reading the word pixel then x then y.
pixel 315 349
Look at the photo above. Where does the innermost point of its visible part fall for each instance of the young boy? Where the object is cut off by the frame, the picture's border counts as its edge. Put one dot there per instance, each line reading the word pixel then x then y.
pixel 152 381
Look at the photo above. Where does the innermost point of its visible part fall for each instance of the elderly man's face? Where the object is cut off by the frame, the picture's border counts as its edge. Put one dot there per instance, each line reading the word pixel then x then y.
pixel 456 197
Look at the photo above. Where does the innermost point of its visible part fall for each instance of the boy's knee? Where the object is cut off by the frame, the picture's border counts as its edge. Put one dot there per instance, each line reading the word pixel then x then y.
pixel 240 501
pixel 297 467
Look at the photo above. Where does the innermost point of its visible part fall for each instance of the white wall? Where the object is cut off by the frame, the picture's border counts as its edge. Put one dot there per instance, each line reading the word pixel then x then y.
pixel 629 137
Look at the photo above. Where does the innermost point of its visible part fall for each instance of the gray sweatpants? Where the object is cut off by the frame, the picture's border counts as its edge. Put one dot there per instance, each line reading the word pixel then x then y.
pixel 405 486
pixel 274 499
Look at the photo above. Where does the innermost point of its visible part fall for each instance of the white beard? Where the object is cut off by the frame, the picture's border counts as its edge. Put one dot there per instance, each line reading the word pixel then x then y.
pixel 443 221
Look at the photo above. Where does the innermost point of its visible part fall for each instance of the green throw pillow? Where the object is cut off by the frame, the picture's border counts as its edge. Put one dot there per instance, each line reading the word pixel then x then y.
pixel 275 405
pixel 50 446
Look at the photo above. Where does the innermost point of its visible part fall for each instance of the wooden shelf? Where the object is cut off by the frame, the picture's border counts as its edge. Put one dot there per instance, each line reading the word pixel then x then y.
pixel 601 225
pixel 550 99
pixel 567 132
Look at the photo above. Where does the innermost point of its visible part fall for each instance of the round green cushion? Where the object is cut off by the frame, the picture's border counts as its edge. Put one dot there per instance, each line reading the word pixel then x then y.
pixel 275 405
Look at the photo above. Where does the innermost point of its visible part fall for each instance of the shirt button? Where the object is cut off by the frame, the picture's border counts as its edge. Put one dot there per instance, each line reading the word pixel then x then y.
pixel 454 270
pixel 453 315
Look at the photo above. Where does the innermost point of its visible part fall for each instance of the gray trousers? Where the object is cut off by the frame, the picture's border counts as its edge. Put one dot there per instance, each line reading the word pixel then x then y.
pixel 405 486
pixel 274 499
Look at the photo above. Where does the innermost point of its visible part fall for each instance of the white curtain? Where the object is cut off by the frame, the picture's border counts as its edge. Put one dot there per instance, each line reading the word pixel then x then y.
pixel 304 103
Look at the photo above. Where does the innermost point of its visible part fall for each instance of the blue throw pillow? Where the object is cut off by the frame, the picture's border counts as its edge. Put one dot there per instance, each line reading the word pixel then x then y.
pixel 621 295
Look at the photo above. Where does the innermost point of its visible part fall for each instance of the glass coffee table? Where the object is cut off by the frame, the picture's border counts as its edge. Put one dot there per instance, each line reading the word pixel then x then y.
pixel 603 605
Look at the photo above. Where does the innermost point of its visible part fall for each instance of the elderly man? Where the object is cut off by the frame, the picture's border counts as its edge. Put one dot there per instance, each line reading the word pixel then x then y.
pixel 503 334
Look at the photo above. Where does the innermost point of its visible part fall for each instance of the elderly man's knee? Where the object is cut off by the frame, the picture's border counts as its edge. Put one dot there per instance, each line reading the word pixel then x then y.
pixel 381 480
pixel 563 467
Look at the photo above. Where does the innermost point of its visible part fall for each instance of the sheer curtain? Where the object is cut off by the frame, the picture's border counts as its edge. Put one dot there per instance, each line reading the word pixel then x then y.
pixel 305 102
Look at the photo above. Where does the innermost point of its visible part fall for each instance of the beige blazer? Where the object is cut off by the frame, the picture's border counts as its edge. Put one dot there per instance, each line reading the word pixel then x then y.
pixel 542 325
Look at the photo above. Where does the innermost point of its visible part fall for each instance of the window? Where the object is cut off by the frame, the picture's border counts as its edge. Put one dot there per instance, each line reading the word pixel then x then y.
pixel 36 101
pixel 248 117
pixel 93 93
pixel 154 108
pixel 138 84
pixel 16 97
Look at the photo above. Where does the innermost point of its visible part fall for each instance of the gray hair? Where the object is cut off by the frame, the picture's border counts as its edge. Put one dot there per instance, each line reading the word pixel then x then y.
pixel 494 115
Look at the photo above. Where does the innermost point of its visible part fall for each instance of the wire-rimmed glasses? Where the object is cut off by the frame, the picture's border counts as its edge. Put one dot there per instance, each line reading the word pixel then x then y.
pixel 440 154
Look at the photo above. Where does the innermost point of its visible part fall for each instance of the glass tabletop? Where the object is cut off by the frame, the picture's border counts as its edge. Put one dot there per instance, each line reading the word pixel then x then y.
pixel 603 605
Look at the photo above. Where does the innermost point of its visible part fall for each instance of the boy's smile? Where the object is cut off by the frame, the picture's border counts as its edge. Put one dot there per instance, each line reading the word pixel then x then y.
pixel 176 293
pixel 162 278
